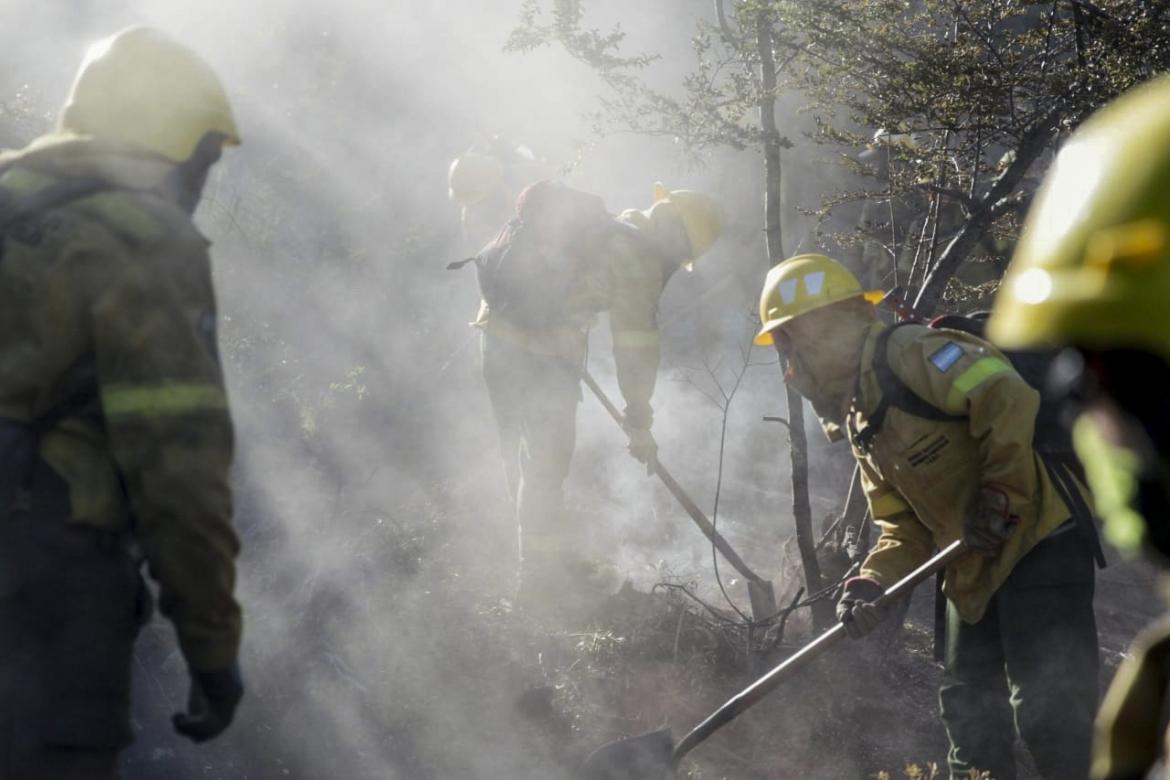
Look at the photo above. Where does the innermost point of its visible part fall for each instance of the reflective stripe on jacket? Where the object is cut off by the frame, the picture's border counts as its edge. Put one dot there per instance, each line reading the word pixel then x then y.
pixel 921 476
pixel 107 310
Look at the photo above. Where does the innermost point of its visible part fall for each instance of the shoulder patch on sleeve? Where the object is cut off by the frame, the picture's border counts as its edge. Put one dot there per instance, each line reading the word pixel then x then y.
pixel 946 356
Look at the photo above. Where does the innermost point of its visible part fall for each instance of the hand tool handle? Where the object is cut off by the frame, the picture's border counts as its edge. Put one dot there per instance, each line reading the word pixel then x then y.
pixel 680 495
pixel 763 686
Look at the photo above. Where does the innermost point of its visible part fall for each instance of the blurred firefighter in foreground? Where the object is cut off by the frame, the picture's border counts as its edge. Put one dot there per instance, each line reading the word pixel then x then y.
pixel 114 427
pixel 1092 272
pixel 559 262
pixel 942 428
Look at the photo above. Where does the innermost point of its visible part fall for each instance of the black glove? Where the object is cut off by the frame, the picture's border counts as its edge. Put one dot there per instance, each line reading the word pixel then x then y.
pixel 211 704
pixel 989 522
pixel 856 609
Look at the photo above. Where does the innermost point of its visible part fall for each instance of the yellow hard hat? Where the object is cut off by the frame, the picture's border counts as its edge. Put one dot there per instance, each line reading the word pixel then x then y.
pixel 801 284
pixel 699 213
pixel 143 88
pixel 473 177
pixel 1092 267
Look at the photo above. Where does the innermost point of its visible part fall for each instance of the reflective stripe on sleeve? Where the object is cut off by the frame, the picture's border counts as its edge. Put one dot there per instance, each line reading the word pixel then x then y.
pixel 160 400
pixel 979 371
pixel 636 339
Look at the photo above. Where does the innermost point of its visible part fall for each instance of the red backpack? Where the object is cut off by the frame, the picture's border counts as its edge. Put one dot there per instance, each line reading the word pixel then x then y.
pixel 529 269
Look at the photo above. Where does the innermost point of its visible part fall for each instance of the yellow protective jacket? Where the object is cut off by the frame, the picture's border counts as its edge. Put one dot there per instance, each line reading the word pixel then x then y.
pixel 921 476
pixel 107 329
pixel 625 277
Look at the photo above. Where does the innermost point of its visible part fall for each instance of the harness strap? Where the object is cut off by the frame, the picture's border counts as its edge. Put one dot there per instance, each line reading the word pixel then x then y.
pixel 56 194
pixel 19 215
pixel 895 393
pixel 1062 479
pixel 21 440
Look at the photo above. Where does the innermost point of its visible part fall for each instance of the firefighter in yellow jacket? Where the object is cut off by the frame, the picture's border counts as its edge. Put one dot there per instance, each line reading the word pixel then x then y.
pixel 115 438
pixel 533 373
pixel 1092 273
pixel 1021 637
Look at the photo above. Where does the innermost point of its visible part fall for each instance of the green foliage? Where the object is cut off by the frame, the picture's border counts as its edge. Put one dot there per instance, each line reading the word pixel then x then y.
pixel 939 112
pixel 713 106
pixel 952 99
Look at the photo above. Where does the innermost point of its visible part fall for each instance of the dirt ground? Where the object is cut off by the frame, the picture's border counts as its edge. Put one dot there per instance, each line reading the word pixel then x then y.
pixel 396 655
pixel 862 709
pixel 646 661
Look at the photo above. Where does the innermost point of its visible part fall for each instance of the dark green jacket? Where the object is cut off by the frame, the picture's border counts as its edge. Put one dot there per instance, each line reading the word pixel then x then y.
pixel 107 321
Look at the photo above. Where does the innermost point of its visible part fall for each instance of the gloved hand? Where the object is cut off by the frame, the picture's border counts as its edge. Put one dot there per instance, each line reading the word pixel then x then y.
pixel 211 704
pixel 856 608
pixel 989 522
pixel 643 447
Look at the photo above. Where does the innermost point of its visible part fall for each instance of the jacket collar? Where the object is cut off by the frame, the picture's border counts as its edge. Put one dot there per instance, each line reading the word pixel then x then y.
pixel 867 394
pixel 61 155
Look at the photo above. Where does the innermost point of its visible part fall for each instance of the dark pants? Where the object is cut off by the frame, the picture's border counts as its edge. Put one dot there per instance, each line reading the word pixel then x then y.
pixel 1028 667
pixel 71 603
pixel 535 400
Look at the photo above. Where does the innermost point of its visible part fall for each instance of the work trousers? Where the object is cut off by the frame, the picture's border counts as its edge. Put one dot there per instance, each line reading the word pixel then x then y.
pixel 71 604
pixel 1029 667
pixel 535 400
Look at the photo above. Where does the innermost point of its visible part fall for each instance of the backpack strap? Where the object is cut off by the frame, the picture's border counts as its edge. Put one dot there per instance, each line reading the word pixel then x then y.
pixel 1062 479
pixel 895 393
pixel 21 213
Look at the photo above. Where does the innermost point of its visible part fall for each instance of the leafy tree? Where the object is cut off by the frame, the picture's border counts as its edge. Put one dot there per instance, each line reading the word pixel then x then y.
pixel 963 100
pixel 939 113
pixel 938 110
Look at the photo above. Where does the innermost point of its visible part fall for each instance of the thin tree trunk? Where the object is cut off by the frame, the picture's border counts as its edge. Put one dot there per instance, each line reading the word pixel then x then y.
pixel 773 232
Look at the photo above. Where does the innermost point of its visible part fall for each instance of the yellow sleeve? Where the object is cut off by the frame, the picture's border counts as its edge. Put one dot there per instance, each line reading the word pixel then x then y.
pixel 964 375
pixel 903 543
pixel 636 277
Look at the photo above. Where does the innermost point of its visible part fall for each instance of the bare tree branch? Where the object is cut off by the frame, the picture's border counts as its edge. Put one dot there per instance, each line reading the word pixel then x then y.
pixel 1032 144
pixel 725 27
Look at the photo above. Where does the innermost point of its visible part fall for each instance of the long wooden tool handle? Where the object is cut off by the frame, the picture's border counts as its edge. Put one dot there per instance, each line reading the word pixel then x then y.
pixel 763 686
pixel 707 527
pixel 677 491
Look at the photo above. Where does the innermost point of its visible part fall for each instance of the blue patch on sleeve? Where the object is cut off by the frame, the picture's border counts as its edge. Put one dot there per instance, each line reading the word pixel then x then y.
pixel 946 356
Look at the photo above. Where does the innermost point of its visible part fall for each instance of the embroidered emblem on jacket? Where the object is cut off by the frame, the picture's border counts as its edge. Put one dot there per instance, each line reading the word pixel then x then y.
pixel 946 356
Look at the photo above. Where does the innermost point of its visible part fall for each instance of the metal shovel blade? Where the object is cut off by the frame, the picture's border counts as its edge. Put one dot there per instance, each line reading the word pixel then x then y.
pixel 646 757
pixel 654 757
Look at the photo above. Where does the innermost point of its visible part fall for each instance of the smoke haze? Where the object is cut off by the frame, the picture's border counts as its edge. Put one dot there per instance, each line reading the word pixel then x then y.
pixel 378 547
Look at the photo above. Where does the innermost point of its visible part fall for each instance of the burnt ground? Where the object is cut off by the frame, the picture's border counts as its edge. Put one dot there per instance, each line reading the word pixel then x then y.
pixel 388 652
pixel 862 709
